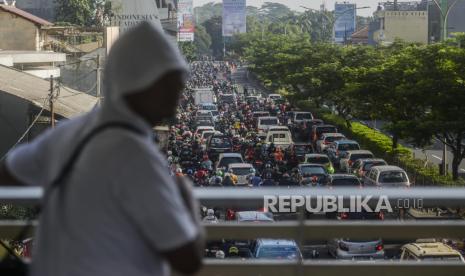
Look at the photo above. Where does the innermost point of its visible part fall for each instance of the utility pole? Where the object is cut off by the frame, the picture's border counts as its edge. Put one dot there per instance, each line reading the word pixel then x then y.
pixel 444 156
pixel 50 101
pixel 99 84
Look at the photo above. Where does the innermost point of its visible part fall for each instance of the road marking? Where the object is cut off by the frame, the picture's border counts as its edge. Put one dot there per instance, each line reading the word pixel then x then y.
pixel 436 157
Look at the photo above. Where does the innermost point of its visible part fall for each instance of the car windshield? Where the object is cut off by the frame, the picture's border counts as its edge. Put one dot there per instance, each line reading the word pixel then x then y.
pixel 242 171
pixel 348 146
pixel 369 165
pixel 312 170
pixel 215 113
pixel 345 182
pixel 334 138
pixel 393 177
pixel 208 107
pixel 318 160
pixel 208 135
pixel 269 122
pixel 301 149
pixel 354 157
pixel 262 114
pixel 227 97
pixel 303 116
pixel 278 252
pixel 220 142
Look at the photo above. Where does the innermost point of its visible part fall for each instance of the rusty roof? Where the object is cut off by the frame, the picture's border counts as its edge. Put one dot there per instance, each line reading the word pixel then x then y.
pixel 25 15
pixel 362 33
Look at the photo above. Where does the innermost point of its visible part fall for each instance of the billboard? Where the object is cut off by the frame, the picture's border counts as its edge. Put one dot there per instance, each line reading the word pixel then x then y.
pixel 234 17
pixel 345 24
pixel 186 26
pixel 129 13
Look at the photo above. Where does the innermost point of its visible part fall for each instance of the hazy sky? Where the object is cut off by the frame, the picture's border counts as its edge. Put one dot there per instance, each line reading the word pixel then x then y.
pixel 315 4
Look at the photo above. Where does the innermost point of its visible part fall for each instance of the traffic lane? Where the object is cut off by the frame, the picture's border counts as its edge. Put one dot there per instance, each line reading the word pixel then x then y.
pixel 435 157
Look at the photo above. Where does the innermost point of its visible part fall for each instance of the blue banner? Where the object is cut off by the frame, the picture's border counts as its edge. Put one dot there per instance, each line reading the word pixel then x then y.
pixel 234 17
pixel 345 15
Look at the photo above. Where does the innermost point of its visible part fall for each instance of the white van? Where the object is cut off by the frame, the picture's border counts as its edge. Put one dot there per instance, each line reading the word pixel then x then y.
pixel 264 123
pixel 280 138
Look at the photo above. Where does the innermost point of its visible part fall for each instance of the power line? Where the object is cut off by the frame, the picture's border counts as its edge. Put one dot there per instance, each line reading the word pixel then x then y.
pixel 27 130
pixel 76 62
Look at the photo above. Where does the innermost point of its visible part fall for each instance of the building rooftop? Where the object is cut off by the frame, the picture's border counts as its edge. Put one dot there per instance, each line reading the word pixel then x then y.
pixel 34 19
pixel 70 103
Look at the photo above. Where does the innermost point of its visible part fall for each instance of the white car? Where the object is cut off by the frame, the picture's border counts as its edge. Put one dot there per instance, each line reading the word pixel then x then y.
pixel 274 97
pixel 348 158
pixel 243 171
pixel 264 123
pixel 200 129
pixel 327 139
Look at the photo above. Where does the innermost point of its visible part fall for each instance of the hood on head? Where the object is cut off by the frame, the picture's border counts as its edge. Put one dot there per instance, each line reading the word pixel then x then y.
pixel 137 60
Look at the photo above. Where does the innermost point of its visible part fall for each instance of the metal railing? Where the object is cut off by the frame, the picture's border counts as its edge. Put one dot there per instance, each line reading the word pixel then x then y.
pixel 301 229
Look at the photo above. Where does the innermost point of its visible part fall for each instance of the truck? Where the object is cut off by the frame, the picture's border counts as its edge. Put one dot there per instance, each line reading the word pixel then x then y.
pixel 204 96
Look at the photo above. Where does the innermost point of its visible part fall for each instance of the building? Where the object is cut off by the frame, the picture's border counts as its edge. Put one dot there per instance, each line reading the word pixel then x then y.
pixel 455 20
pixel 20 30
pixel 41 64
pixel 22 97
pixel 400 20
pixel 360 37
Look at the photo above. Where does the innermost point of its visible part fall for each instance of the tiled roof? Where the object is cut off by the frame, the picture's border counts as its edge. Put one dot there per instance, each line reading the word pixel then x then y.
pixel 362 33
pixel 25 15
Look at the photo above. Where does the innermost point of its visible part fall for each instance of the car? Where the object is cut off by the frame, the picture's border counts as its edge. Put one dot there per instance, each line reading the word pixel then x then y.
pixel 280 138
pixel 274 249
pixel 243 171
pixel 302 117
pixel 363 165
pixel 227 98
pixel 343 180
pixel 316 158
pixel 312 174
pixel 386 176
pixel 430 251
pixel 301 149
pixel 224 159
pixel 347 159
pixel 351 249
pixel 338 147
pixel 264 123
pixel 254 216
pixel 326 139
pixel 204 121
pixel 200 129
pixel 208 107
pixel 218 143
pixel 253 99
pixel 274 97
pixel 258 114
pixel 318 130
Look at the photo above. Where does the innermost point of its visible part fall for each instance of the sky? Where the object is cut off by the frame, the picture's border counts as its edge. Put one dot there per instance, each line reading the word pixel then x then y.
pixel 314 4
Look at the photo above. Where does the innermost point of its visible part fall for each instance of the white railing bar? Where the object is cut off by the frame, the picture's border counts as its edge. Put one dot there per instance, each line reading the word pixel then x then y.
pixel 329 268
pixel 321 229
pixel 311 229
pixel 253 197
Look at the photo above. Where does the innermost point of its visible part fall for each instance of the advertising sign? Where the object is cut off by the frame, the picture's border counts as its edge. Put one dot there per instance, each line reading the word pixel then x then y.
pixel 234 17
pixel 129 13
pixel 344 26
pixel 186 26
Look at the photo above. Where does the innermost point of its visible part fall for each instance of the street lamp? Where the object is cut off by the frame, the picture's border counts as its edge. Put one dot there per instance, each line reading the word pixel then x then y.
pixel 444 16
pixel 334 20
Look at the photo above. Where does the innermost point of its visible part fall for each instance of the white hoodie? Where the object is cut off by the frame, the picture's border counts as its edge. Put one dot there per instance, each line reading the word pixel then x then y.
pixel 119 207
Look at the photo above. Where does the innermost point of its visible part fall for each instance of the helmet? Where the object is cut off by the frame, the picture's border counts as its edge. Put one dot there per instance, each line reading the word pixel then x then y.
pixel 178 170
pixel 219 254
pixel 190 172
pixel 210 212
pixel 233 250
pixel 170 153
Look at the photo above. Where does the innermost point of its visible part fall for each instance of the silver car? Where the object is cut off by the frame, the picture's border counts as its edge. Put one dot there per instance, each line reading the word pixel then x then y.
pixel 386 176
pixel 349 249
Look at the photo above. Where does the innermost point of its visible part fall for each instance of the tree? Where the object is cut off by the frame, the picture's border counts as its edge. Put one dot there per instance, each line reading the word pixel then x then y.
pixel 202 40
pixel 76 12
pixel 275 10
pixel 213 26
pixel 188 49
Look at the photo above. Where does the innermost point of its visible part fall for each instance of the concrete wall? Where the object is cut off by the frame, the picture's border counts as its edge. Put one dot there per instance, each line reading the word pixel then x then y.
pixel 13 120
pixel 42 8
pixel 411 26
pixel 17 33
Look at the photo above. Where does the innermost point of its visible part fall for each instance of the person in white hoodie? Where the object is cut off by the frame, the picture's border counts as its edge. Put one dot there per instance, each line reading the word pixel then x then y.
pixel 115 210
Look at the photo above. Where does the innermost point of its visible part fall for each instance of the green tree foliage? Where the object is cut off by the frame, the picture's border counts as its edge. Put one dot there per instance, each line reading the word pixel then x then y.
pixel 188 49
pixel 202 40
pixel 76 12
pixel 419 90
pixel 213 26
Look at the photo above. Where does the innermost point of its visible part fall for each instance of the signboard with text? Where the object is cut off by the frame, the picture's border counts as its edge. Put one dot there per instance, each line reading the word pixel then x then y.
pixel 186 26
pixel 234 17
pixel 129 13
pixel 344 27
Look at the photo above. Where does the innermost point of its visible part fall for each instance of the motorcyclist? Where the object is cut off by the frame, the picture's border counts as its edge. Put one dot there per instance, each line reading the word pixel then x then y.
pixel 210 218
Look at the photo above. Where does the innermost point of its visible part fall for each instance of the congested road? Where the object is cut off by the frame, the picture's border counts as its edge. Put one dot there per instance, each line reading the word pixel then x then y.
pixel 230 132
